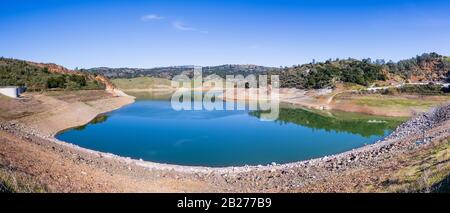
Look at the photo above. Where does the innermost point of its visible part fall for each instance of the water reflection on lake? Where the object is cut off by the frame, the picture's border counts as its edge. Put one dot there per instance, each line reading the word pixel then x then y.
pixel 151 130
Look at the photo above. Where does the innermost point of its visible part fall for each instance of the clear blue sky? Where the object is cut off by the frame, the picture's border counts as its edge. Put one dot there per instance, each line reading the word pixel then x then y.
pixel 110 33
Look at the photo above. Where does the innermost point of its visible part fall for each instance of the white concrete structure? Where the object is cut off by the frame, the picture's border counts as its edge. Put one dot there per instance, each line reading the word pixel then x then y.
pixel 13 92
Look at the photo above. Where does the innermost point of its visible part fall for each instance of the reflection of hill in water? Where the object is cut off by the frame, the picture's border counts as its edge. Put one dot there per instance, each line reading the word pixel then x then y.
pixel 166 95
pixel 167 113
pixel 162 110
pixel 97 120
pixel 365 126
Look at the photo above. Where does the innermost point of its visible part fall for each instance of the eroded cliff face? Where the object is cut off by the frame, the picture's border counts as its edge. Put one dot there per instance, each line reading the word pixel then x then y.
pixel 109 86
pixel 424 68
pixel 54 68
pixel 431 70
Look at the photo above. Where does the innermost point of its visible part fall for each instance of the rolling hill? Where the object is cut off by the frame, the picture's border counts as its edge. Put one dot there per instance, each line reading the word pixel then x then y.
pixel 428 67
pixel 39 76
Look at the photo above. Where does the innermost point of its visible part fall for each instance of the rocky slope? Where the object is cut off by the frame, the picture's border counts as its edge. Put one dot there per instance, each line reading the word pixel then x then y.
pixel 426 67
pixel 404 161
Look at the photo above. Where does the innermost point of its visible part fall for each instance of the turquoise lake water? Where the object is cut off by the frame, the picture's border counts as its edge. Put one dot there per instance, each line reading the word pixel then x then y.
pixel 151 130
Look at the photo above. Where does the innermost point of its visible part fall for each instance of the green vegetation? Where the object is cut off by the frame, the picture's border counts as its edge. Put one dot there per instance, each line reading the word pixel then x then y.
pixel 446 58
pixel 170 72
pixel 387 102
pixel 353 86
pixel 430 67
pixel 140 83
pixel 97 120
pixel 21 73
pixel 363 125
pixel 321 75
pixel 429 89
pixel 394 102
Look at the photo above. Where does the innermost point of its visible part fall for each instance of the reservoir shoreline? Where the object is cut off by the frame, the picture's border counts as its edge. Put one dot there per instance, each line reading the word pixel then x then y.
pixel 37 132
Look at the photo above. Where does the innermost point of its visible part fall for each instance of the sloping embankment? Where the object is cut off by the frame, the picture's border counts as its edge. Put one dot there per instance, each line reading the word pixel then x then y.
pixel 63 167
pixel 61 115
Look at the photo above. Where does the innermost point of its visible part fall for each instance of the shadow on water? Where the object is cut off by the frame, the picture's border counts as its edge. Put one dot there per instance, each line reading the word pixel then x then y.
pixel 442 187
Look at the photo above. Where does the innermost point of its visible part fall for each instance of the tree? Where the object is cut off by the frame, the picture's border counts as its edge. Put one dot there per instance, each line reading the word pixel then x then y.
pixel 56 82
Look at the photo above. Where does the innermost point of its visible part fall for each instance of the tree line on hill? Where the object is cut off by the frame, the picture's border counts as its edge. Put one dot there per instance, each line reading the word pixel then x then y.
pixel 21 73
pixel 326 74
pixel 427 89
pixel 428 67
pixel 170 72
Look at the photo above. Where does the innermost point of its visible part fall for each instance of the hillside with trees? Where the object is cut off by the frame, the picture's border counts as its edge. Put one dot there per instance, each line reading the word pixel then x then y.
pixel 424 68
pixel 326 74
pixel 39 77
pixel 170 72
pixel 428 67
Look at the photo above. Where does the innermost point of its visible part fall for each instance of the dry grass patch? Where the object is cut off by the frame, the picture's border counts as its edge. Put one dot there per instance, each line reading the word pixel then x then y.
pixel 426 169
pixel 141 83
pixel 13 182
pixel 392 102
pixel 79 95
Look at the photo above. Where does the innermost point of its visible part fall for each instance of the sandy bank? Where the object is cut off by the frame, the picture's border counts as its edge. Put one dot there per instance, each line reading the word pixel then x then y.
pixel 60 115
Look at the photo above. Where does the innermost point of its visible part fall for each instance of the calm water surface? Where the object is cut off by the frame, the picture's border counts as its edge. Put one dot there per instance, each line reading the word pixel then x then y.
pixel 151 130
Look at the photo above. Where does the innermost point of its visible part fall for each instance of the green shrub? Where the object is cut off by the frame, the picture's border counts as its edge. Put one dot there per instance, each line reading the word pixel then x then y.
pixel 428 89
pixel 20 73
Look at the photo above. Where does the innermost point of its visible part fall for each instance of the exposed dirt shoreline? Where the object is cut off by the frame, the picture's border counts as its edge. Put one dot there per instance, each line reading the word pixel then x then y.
pixel 339 99
pixel 61 115
pixel 28 147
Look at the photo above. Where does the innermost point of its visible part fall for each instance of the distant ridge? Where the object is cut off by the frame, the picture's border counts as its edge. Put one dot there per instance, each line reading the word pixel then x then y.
pixel 169 72
pixel 428 67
